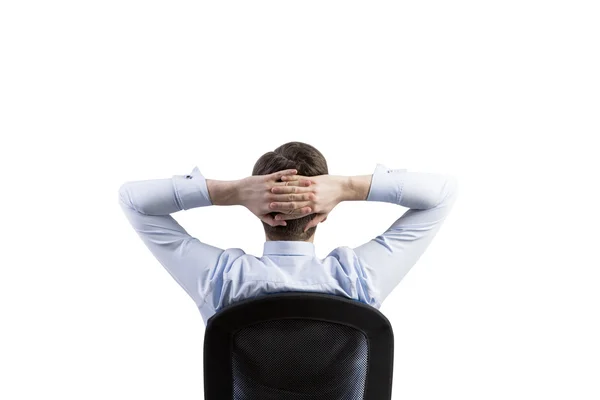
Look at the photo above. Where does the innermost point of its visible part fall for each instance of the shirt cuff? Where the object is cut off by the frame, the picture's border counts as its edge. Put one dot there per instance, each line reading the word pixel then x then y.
pixel 191 190
pixel 386 184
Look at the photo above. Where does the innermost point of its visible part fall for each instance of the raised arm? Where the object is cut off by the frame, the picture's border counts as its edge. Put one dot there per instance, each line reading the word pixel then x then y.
pixel 147 204
pixel 387 258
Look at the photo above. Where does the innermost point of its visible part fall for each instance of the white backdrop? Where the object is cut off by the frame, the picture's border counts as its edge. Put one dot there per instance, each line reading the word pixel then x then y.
pixel 504 95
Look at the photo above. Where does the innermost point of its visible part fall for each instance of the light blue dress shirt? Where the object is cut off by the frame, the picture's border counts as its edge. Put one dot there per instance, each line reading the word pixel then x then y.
pixel 215 277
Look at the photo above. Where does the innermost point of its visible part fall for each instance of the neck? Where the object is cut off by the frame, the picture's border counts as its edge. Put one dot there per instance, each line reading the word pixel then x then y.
pixel 310 239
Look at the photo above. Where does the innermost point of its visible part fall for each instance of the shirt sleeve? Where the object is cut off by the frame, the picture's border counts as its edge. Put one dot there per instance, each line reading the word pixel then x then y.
pixel 387 258
pixel 148 204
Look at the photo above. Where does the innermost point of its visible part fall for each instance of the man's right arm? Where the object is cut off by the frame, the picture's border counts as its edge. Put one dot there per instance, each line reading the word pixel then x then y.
pixel 387 258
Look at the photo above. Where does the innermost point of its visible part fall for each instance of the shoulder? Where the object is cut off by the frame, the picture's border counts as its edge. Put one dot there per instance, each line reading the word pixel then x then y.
pixel 231 254
pixel 356 273
pixel 343 253
pixel 345 257
pixel 237 256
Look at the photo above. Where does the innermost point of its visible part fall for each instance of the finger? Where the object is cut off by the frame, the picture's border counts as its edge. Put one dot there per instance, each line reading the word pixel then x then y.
pixel 295 215
pixel 303 212
pixel 315 221
pixel 300 182
pixel 293 177
pixel 278 175
pixel 291 189
pixel 310 224
pixel 271 221
pixel 288 205
pixel 291 197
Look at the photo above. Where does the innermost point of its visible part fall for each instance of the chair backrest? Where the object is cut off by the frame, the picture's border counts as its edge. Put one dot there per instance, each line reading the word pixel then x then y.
pixel 298 346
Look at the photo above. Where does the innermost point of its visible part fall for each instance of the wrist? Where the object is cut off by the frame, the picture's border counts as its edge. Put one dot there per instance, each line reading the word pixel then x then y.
pixel 357 187
pixel 223 193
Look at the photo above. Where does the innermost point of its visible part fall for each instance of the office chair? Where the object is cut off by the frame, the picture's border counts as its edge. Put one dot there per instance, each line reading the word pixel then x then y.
pixel 298 346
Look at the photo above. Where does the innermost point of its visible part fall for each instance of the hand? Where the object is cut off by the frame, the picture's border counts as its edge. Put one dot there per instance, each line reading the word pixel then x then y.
pixel 325 192
pixel 255 194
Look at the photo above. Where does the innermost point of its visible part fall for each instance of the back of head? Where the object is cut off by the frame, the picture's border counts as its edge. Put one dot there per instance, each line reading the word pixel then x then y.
pixel 308 161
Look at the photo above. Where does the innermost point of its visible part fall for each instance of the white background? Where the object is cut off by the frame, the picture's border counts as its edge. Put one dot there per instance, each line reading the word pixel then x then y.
pixel 504 95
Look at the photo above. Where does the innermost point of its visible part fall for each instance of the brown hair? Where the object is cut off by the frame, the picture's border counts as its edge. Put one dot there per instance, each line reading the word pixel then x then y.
pixel 309 162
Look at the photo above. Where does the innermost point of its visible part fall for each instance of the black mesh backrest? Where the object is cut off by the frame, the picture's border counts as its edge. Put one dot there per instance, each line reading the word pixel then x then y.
pixel 298 346
pixel 299 359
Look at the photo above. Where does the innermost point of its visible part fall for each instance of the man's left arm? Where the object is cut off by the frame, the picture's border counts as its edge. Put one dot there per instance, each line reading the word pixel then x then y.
pixel 147 204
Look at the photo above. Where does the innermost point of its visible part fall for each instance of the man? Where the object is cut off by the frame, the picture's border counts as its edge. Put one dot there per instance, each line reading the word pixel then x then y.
pixel 291 192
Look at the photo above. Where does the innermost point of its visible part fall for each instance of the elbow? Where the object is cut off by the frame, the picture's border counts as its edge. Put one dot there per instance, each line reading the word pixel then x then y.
pixel 124 198
pixel 450 190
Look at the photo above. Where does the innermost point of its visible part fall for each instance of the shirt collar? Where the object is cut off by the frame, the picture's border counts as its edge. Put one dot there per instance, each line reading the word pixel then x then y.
pixel 289 248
